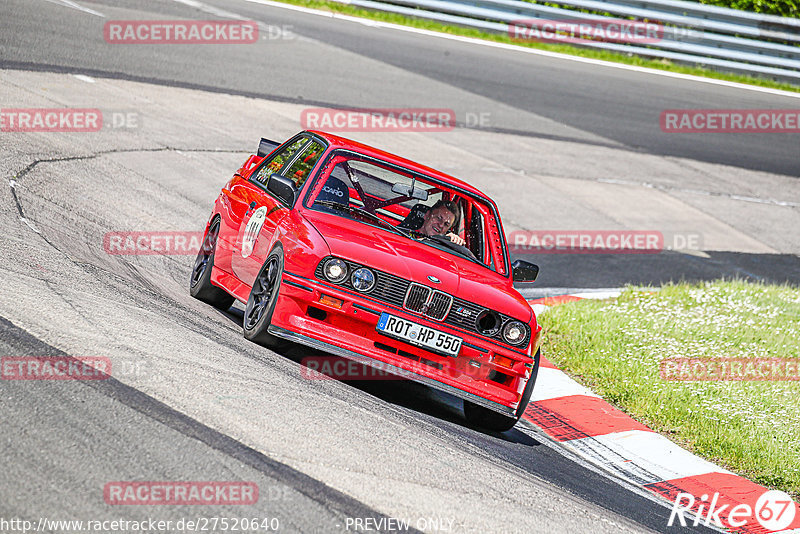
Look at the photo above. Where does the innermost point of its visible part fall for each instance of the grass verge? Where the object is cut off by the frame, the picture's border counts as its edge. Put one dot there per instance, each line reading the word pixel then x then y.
pixel 615 347
pixel 628 59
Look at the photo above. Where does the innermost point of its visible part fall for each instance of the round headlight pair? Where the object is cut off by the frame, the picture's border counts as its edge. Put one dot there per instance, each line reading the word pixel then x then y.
pixel 515 332
pixel 335 270
pixel 362 279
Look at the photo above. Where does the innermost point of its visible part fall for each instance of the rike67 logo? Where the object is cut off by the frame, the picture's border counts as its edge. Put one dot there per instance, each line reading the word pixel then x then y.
pixel 774 511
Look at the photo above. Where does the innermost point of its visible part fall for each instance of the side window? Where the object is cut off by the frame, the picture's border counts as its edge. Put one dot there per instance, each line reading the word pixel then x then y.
pixel 277 161
pixel 475 234
pixel 301 168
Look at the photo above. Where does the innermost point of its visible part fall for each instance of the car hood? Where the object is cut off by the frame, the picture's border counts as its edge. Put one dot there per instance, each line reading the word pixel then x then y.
pixel 417 262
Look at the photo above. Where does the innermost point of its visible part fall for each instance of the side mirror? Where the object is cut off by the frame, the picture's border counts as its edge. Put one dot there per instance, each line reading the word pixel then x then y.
pixel 523 271
pixel 283 188
pixel 410 191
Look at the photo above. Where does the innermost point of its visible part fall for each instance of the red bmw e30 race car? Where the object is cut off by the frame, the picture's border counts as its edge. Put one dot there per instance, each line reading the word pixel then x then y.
pixel 365 255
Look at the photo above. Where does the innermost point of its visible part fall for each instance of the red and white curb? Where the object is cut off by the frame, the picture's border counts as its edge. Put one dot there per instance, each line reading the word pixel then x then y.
pixel 700 492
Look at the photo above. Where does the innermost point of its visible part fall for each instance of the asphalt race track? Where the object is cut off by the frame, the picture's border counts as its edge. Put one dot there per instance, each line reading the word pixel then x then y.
pixel 563 146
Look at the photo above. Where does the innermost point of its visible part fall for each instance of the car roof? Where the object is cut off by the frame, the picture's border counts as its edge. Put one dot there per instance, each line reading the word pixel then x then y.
pixel 336 141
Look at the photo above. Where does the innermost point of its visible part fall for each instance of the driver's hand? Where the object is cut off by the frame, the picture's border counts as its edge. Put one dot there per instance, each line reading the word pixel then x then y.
pixel 456 239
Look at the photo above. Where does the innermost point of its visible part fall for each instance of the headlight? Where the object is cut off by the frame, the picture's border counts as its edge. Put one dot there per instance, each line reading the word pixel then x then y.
pixel 335 270
pixel 363 279
pixel 515 332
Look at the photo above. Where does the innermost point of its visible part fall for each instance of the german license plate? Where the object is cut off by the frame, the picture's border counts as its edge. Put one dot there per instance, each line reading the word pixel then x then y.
pixel 419 335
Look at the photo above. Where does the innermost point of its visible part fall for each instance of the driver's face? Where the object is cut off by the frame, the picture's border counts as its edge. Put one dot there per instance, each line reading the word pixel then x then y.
pixel 437 222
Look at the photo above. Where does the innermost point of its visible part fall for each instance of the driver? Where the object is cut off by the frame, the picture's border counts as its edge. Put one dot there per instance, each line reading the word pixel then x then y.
pixel 440 219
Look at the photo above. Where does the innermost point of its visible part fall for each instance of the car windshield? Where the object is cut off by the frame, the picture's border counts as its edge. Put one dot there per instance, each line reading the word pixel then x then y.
pixel 377 193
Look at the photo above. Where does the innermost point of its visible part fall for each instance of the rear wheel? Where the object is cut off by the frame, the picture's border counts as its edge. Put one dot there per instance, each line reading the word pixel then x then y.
pixel 200 286
pixel 491 420
pixel 262 300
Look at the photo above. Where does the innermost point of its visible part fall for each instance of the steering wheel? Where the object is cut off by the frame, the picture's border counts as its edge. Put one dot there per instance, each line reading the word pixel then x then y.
pixel 444 240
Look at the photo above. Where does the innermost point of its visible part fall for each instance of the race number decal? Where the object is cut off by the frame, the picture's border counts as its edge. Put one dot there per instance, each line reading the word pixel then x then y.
pixel 251 231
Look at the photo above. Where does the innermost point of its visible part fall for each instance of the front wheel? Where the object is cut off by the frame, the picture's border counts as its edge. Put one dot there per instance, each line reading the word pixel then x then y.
pixel 491 420
pixel 488 419
pixel 200 286
pixel 262 300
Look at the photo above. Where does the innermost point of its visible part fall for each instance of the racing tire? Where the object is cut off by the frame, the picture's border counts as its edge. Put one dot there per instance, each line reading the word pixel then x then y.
pixel 491 420
pixel 200 286
pixel 526 394
pixel 488 419
pixel 261 302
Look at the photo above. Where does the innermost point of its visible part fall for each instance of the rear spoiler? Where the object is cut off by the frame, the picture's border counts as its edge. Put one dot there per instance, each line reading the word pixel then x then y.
pixel 266 146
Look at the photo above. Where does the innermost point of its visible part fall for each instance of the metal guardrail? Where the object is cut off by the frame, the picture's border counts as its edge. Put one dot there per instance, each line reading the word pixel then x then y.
pixel 692 33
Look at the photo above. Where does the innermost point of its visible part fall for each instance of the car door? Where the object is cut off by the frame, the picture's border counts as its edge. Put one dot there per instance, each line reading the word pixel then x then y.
pixel 263 210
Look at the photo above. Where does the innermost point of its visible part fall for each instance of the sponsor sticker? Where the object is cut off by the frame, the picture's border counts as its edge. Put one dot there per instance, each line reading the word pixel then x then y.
pixel 252 230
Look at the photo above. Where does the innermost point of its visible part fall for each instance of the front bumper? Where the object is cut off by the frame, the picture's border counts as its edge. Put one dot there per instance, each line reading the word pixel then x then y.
pixel 474 375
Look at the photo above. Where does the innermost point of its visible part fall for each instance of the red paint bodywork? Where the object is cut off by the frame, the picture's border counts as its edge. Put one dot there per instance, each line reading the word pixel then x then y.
pixel 307 236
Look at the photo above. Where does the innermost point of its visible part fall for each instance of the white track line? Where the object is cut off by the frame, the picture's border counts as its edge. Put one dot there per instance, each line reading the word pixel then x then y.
pixel 211 10
pixel 84 78
pixel 504 46
pixel 75 5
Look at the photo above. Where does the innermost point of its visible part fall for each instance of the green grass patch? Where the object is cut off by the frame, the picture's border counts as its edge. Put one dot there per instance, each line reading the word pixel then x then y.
pixel 615 347
pixel 781 8
pixel 628 59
